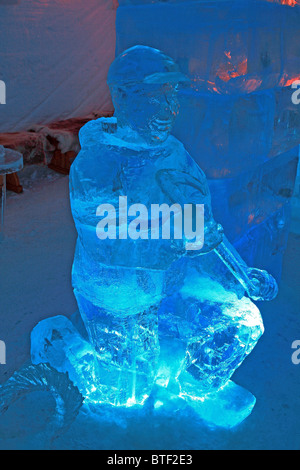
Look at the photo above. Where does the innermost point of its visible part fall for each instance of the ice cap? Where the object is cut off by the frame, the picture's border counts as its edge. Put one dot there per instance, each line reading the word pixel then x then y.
pixel 143 64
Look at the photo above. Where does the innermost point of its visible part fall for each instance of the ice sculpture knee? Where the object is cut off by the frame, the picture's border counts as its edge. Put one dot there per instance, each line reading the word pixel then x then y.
pixel 121 282
pixel 227 333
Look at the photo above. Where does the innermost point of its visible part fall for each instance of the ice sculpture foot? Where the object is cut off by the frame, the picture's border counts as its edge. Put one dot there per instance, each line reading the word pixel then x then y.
pixel 226 408
pixel 57 342
pixel 97 374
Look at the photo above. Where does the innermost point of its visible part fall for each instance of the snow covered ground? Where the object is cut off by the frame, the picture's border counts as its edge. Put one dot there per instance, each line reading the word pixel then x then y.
pixel 35 259
pixel 35 283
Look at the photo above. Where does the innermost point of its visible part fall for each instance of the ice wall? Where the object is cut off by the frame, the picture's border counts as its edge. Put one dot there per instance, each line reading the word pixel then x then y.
pixel 54 60
pixel 237 119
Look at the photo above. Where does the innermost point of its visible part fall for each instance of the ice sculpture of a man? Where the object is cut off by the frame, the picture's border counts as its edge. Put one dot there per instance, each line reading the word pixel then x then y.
pixel 155 311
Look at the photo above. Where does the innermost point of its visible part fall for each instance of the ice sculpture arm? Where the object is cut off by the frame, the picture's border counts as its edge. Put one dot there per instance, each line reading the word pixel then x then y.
pixel 185 188
pixel 258 284
pixel 180 186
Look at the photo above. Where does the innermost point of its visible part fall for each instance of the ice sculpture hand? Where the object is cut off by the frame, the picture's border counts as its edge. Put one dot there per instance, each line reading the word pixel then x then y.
pixel 213 236
pixel 258 284
pixel 262 285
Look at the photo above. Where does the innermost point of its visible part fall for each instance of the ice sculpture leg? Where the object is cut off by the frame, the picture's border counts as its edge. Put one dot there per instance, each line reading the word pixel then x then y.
pixel 212 332
pixel 203 341
pixel 224 334
pixel 127 349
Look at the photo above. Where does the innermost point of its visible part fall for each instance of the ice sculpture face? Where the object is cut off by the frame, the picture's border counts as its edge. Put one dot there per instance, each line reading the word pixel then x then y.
pixel 144 84
pixel 148 109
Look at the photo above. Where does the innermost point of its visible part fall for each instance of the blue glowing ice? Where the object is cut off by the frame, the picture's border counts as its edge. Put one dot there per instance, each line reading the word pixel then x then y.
pixel 57 342
pixel 155 312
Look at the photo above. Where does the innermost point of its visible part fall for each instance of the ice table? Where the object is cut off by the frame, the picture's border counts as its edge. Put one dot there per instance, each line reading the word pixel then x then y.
pixel 10 162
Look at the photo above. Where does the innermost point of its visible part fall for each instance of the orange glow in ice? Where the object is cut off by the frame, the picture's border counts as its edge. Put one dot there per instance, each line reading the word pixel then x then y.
pixel 229 70
pixel 286 81
pixel 228 54
pixel 291 3
pixel 250 218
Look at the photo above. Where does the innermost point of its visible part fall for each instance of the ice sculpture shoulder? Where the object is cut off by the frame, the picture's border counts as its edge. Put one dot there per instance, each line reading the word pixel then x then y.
pixel 142 297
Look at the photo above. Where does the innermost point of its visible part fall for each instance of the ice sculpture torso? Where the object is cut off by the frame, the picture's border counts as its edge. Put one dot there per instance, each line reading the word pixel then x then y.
pixel 109 167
